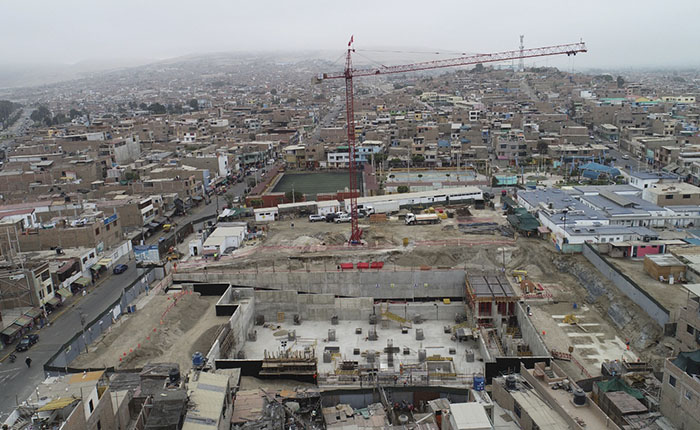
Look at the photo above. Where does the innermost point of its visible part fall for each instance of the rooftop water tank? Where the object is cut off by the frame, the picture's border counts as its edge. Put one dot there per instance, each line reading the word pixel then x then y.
pixel 510 382
pixel 174 376
pixel 579 397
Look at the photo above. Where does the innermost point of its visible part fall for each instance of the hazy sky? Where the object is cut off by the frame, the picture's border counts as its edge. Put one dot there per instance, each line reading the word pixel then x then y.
pixel 618 33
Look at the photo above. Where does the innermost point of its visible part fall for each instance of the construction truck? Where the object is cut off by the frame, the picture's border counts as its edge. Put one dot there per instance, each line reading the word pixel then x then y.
pixel 412 219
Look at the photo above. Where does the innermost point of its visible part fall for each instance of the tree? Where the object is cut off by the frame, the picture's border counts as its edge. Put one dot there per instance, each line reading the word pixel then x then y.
pixel 157 108
pixel 73 113
pixel 131 176
pixel 297 197
pixel 542 147
pixel 417 159
pixel 194 104
pixel 620 82
pixel 229 198
pixel 380 157
pixel 395 162
pixel 41 114
pixel 273 91
pixel 479 68
pixel 402 189
pixel 60 118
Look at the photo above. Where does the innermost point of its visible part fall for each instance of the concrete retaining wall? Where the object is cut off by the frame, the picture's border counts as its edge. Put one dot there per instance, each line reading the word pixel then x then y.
pixel 321 307
pixel 652 307
pixel 378 284
pixel 529 332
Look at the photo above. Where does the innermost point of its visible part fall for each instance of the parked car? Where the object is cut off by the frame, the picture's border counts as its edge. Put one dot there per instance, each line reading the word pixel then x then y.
pixel 27 342
pixel 316 217
pixel 342 218
pixel 332 216
pixel 120 268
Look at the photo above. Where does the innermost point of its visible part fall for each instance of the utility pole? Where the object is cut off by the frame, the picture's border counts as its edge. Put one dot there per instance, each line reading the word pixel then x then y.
pixel 82 323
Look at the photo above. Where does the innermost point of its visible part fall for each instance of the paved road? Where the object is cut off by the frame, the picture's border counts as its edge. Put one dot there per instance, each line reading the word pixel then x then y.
pixel 16 379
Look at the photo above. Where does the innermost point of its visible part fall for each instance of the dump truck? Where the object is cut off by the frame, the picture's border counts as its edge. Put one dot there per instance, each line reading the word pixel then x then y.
pixel 412 218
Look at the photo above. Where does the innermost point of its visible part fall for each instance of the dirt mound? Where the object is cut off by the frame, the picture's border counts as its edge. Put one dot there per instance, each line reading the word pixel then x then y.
pixel 331 238
pixel 188 310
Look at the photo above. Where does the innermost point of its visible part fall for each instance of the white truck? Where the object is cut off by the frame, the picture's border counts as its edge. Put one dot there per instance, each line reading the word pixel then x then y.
pixel 412 219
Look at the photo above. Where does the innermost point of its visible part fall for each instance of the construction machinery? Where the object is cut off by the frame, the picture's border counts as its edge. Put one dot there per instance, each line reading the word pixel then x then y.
pixel 350 72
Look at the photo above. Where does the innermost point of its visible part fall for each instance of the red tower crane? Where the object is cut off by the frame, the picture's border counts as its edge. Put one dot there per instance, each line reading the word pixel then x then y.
pixel 349 73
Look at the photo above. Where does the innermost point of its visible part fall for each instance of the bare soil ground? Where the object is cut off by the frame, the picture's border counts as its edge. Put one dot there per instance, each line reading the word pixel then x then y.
pixel 670 296
pixel 189 326
pixel 320 244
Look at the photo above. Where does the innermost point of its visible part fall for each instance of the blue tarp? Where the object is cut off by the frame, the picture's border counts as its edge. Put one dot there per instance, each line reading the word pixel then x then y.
pixel 595 170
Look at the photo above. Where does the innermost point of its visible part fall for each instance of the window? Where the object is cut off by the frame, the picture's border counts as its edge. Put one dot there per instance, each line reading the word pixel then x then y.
pixel 690 329
pixel 49 288
pixel 99 425
pixel 91 406
pixel 669 196
pixel 92 255
pixel 45 275
pixel 672 380
pixel 97 231
pixel 686 196
pixel 517 410
pixel 107 227
pixel 85 260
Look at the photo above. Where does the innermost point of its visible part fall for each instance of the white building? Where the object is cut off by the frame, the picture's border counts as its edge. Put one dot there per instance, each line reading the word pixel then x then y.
pixel 266 214
pixel 227 236
pixel 328 207
pixel 393 202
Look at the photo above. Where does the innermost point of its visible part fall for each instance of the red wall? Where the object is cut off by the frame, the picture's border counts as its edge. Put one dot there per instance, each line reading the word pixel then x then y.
pixel 648 250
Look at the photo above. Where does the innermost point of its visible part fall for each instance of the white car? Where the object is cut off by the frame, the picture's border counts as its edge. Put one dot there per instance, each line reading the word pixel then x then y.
pixel 342 218
pixel 316 217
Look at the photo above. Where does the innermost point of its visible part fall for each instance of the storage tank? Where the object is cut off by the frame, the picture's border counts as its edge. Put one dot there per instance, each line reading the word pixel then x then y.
pixel 422 355
pixel 331 335
pixel 579 397
pixel 510 382
pixel 327 356
pixel 174 376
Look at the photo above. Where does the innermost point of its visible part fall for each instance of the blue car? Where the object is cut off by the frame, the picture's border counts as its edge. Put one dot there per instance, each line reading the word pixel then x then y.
pixel 120 268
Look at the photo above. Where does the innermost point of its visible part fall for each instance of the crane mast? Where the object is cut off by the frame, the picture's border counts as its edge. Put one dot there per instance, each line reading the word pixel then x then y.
pixel 349 73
